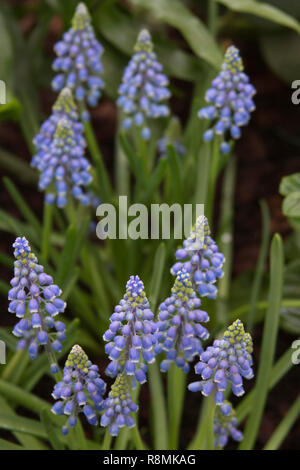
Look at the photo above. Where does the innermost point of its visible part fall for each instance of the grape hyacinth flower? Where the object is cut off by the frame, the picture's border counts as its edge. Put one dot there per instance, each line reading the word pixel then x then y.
pixel 200 257
pixel 118 407
pixel 79 61
pixel 143 90
pixel 229 101
pixel 227 361
pixel 180 330
pixel 225 425
pixel 131 334
pixel 80 390
pixel 60 146
pixel 35 300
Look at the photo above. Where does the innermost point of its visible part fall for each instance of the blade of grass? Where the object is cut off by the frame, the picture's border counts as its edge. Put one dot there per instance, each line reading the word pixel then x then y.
pixel 51 431
pixel 263 252
pixel 268 344
pixel 284 427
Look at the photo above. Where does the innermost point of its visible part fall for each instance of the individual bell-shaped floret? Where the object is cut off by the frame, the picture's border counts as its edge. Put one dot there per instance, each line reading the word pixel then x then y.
pixel 35 300
pixel 200 256
pixel 118 406
pixel 180 330
pixel 230 101
pixel 226 363
pixel 143 91
pixel 78 61
pixel 225 425
pixel 80 390
pixel 131 334
pixel 60 158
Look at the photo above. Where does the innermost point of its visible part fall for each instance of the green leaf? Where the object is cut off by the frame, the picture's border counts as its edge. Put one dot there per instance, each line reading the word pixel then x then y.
pixel 51 430
pixel 284 427
pixel 20 424
pixel 280 51
pixel 282 366
pixel 154 180
pixel 289 184
pixel 26 440
pixel 176 14
pixel 291 205
pixel 7 445
pixel 268 344
pixel 262 10
pixel 21 204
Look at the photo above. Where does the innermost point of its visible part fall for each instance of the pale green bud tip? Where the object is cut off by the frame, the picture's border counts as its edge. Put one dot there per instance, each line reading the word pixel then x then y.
pixel 183 287
pixel 144 42
pixel 236 333
pixel 78 359
pixel 65 101
pixel 63 129
pixel 81 17
pixel 233 60
pixel 120 387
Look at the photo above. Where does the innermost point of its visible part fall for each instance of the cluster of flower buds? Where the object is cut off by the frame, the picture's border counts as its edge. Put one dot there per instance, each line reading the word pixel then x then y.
pixel 200 257
pixel 118 406
pixel 36 301
pixel 227 361
pixel 81 389
pixel 79 61
pixel 131 334
pixel 225 425
pixel 179 326
pixel 230 101
pixel 143 90
pixel 60 145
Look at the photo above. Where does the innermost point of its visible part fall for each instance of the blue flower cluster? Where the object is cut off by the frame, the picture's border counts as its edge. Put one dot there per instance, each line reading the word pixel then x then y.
pixel 118 406
pixel 143 90
pixel 226 362
pixel 230 101
pixel 225 425
pixel 60 153
pixel 36 301
pixel 179 326
pixel 79 61
pixel 200 257
pixel 81 389
pixel 163 143
pixel 131 334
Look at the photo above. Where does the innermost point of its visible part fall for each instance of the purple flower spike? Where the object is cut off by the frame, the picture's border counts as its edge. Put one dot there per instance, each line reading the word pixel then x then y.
pixel 36 301
pixel 229 101
pixel 80 390
pixel 180 330
pixel 131 334
pixel 227 362
pixel 143 90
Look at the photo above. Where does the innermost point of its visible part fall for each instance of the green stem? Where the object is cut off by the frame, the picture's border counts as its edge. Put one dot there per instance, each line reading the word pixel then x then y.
pixel 213 174
pixel 105 186
pixel 202 174
pixel 204 435
pixel 47 225
pixel 176 392
pixel 226 238
pixel 159 408
pixel 139 445
pixel 257 281
pixel 107 440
